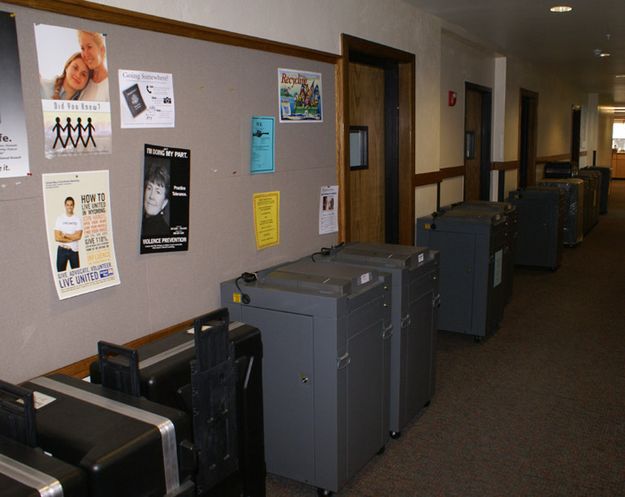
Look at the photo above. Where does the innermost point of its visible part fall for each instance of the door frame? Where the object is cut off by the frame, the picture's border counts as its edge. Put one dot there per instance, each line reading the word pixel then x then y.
pixel 529 136
pixel 358 49
pixel 485 135
pixel 576 134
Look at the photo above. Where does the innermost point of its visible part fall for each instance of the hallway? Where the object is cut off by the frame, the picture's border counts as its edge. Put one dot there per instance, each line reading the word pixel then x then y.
pixel 538 409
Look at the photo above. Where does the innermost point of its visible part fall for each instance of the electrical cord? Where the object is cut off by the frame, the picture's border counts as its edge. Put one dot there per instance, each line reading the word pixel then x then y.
pixel 247 278
pixel 326 251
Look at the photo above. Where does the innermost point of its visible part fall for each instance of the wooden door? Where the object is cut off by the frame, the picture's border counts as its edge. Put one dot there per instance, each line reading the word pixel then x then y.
pixel 472 144
pixel 366 186
pixel 528 137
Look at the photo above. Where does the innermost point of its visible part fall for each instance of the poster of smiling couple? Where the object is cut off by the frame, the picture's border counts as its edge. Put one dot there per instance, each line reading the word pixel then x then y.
pixel 74 91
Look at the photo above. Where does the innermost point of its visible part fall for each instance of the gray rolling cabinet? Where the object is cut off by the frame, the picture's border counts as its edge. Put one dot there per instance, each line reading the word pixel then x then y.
pixel 541 211
pixel 414 310
pixel 574 217
pixel 606 176
pixel 592 199
pixel 471 245
pixel 326 332
pixel 511 222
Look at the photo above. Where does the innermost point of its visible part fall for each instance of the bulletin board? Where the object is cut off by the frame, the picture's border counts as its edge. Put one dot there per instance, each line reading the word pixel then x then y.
pixel 218 88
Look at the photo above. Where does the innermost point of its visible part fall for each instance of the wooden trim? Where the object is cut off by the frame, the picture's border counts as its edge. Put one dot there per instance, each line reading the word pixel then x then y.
pixel 375 50
pixel 505 165
pixel 80 369
pixel 113 15
pixel 423 179
pixel 552 158
pixel 342 139
pixel 451 172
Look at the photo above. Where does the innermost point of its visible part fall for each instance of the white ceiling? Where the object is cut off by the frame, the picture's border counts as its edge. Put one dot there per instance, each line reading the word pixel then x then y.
pixel 564 42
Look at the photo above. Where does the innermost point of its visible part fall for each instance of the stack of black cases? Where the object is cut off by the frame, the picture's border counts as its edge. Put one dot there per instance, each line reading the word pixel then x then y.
pixel 564 169
pixel 126 446
pixel 471 245
pixel 541 212
pixel 592 200
pixel 165 374
pixel 511 220
pixel 326 344
pixel 606 177
pixel 574 216
pixel 28 472
pixel 414 310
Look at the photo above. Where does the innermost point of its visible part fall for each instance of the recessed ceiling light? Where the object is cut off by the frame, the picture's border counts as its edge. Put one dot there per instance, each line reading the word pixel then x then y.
pixel 620 76
pixel 560 9
pixel 605 54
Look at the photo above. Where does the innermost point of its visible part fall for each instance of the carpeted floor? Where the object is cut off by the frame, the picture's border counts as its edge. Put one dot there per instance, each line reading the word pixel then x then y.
pixel 537 410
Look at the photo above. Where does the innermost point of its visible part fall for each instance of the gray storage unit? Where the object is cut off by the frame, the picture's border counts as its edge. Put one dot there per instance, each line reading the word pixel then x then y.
pixel 606 176
pixel 326 334
pixel 471 245
pixel 574 217
pixel 592 189
pixel 511 221
pixel 541 212
pixel 414 310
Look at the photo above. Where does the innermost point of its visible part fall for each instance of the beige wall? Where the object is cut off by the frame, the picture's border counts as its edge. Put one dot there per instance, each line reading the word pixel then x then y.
pixel 604 139
pixel 393 22
pixel 461 62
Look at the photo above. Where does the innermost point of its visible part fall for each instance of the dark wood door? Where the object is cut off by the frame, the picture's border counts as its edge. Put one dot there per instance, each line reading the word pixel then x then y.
pixel 472 144
pixel 528 136
pixel 367 186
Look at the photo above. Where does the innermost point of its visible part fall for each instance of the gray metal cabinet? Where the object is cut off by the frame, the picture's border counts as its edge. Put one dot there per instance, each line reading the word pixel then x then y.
pixel 326 335
pixel 471 245
pixel 541 223
pixel 414 309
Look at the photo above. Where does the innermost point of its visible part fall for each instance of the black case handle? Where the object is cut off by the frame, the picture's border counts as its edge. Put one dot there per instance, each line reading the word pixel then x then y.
pixel 17 414
pixel 119 368
pixel 211 347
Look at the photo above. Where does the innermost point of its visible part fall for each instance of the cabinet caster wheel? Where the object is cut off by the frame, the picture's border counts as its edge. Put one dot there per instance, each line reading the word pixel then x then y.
pixel 322 492
pixel 395 434
pixel 427 404
pixel 477 339
pixel 381 451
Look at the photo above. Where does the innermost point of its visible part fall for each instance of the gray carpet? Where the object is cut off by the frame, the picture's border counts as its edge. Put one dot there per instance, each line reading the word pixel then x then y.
pixel 537 410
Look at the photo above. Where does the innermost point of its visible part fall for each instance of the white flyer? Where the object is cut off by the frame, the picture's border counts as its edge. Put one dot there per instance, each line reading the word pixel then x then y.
pixel 146 99
pixel 328 209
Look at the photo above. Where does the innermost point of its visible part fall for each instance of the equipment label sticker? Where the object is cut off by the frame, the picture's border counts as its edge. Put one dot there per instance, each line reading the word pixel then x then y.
pixel 498 265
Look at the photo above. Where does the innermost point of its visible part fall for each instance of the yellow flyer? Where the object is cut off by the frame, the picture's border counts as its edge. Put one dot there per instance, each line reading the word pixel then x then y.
pixel 267 219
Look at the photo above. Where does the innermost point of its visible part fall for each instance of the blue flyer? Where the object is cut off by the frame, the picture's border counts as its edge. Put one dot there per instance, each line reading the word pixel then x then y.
pixel 263 145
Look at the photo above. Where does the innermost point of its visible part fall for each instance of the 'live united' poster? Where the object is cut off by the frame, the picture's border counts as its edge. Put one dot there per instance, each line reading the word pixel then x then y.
pixel 79 232
pixel 74 85
pixel 166 190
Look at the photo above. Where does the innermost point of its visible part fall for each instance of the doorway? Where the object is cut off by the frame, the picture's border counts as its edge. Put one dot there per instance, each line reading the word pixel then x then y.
pixel 376 190
pixel 477 133
pixel 528 134
pixel 576 129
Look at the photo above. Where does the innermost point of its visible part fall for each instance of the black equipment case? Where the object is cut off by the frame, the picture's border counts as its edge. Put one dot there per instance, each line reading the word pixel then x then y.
pixel 560 170
pixel 573 189
pixel 127 446
pixel 164 376
pixel 25 470
pixel 28 472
